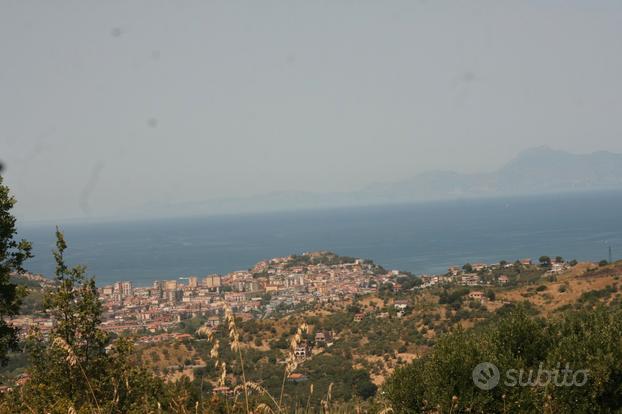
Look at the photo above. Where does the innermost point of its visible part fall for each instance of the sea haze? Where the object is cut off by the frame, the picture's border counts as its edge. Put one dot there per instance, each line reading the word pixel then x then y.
pixel 421 238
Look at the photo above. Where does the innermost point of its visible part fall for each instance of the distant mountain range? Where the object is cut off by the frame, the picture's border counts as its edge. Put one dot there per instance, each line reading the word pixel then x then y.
pixel 535 171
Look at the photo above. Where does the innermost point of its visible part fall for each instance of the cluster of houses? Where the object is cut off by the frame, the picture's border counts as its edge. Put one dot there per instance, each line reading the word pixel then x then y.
pixel 271 286
pixel 400 306
pixel 476 274
pixel 268 287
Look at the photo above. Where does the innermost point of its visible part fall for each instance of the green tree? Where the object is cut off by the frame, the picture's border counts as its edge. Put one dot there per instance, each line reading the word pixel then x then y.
pixel 586 339
pixel 77 366
pixel 363 385
pixel 13 253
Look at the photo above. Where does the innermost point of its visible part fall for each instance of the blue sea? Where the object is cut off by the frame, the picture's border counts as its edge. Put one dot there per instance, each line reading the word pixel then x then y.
pixel 420 238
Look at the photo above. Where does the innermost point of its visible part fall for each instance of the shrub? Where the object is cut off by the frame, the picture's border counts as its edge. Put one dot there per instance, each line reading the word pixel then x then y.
pixel 585 339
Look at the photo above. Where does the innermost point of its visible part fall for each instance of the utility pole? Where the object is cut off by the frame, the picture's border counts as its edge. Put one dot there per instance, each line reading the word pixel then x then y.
pixel 610 259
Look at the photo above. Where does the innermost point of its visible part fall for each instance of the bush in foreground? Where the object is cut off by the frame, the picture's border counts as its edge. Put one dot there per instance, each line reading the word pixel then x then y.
pixel 442 381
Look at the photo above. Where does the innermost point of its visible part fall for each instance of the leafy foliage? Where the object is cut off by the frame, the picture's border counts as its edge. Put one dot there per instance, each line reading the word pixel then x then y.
pixel 586 339
pixel 77 366
pixel 13 253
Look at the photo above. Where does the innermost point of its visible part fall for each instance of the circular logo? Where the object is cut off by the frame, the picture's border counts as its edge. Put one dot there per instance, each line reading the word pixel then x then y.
pixel 486 376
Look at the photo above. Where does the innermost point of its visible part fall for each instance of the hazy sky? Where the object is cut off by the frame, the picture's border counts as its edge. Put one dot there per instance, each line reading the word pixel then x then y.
pixel 108 106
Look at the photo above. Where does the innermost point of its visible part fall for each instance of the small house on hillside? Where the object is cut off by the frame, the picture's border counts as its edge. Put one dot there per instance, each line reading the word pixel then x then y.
pixel 302 351
pixel 296 377
pixel 324 338
pixel 454 270
pixel 477 267
pixel 470 280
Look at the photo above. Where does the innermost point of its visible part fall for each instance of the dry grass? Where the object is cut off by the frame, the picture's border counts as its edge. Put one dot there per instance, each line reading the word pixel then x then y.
pixel 576 281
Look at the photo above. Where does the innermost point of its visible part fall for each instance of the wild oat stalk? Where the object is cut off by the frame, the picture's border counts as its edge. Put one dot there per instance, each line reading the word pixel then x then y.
pixel 326 403
pixel 206 332
pixel 73 361
pixel 261 390
pixel 291 363
pixel 234 337
pixel 214 352
pixel 454 404
pixel 223 374
pixel 264 408
pixel 309 399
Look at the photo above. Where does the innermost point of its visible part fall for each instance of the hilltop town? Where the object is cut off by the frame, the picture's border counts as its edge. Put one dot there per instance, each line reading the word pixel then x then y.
pixel 279 286
pixel 364 321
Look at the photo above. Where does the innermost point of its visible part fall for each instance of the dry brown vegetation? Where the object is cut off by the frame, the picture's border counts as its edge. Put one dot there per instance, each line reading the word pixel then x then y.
pixel 567 287
pixel 427 317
